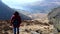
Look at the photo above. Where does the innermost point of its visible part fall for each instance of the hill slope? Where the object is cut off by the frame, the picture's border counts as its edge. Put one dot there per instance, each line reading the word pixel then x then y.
pixel 6 12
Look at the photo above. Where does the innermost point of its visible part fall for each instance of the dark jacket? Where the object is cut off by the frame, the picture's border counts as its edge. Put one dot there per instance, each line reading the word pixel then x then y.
pixel 17 17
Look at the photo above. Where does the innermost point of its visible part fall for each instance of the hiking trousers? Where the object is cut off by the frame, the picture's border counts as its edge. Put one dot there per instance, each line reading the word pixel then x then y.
pixel 16 30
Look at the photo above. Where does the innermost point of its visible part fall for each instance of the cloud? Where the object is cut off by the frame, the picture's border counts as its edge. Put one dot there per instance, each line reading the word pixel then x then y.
pixel 58 3
pixel 45 3
pixel 33 5
pixel 44 6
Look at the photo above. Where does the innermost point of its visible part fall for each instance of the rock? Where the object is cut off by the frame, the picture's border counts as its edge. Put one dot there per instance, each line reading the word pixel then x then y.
pixel 27 30
pixel 6 33
pixel 33 32
pixel 38 31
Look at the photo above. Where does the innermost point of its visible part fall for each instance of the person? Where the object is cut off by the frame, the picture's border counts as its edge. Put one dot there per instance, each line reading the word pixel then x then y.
pixel 16 21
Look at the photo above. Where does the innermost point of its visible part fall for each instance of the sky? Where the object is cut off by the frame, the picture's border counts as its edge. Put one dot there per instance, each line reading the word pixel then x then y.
pixel 33 6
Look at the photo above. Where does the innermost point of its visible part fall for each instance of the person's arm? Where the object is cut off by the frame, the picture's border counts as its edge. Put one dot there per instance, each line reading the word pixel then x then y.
pixel 19 20
pixel 11 20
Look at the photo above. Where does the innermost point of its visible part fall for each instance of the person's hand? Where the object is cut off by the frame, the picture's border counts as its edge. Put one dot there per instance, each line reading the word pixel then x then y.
pixel 11 26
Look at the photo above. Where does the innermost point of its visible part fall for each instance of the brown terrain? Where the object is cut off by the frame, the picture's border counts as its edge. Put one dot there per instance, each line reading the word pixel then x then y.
pixel 27 27
pixel 39 25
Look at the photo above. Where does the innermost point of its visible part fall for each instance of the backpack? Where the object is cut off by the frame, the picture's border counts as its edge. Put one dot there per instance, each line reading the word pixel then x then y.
pixel 15 22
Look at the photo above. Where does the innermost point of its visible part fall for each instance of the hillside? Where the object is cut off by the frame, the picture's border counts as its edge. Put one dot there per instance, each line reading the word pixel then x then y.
pixel 27 27
pixel 6 12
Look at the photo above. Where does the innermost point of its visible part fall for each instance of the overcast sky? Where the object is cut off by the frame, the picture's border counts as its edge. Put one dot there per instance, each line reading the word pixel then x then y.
pixel 33 5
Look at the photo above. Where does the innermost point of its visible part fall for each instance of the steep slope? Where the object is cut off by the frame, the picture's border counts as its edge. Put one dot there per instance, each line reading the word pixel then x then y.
pixel 6 12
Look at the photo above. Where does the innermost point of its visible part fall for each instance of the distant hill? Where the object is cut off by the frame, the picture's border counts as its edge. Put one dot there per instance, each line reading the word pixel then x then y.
pixel 24 14
pixel 38 15
pixel 34 16
pixel 42 17
pixel 22 11
pixel 6 12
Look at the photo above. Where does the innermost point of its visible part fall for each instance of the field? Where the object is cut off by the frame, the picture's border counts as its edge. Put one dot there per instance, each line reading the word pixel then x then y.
pixel 27 27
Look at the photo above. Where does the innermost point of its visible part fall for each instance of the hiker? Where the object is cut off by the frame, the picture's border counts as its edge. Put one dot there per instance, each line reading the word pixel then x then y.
pixel 16 21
